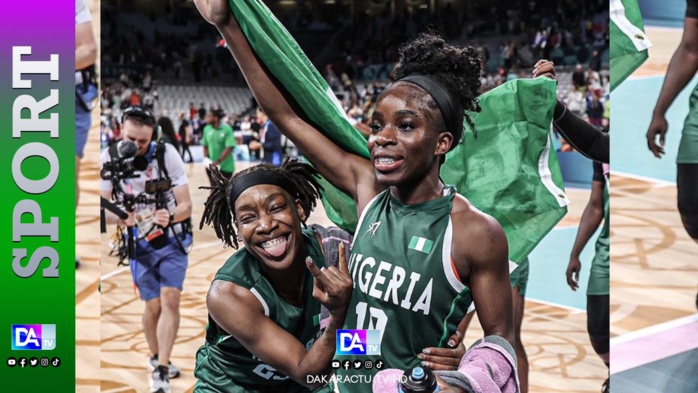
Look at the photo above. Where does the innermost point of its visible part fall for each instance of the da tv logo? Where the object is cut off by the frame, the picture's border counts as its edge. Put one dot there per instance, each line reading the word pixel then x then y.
pixel 33 337
pixel 358 342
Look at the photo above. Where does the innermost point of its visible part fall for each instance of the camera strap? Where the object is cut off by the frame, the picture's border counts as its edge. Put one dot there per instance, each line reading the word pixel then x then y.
pixel 186 226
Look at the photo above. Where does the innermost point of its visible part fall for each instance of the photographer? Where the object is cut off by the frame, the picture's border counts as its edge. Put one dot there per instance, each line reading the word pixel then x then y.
pixel 148 180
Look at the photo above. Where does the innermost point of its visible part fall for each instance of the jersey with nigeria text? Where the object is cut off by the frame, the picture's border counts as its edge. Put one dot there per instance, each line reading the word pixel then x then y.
pixel 223 364
pixel 404 283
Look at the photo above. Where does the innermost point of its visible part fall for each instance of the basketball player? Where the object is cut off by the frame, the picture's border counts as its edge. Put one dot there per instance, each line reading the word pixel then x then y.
pixel 598 290
pixel 421 253
pixel 683 66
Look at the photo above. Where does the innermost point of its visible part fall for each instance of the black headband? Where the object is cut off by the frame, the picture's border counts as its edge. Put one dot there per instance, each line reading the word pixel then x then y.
pixel 262 176
pixel 441 96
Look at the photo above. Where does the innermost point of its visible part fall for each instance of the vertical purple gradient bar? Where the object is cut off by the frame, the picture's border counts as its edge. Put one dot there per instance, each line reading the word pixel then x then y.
pixel 48 27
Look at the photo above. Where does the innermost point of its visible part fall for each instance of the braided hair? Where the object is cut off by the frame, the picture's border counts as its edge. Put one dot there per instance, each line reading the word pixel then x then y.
pixel 455 67
pixel 219 211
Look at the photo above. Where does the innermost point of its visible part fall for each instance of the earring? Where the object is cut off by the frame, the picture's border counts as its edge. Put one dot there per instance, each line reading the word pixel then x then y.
pixel 239 239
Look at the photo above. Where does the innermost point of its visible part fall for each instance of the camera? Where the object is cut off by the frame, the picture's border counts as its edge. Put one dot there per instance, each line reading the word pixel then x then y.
pixel 124 164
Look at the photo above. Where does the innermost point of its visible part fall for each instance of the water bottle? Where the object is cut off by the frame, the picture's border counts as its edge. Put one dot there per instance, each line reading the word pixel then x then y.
pixel 418 380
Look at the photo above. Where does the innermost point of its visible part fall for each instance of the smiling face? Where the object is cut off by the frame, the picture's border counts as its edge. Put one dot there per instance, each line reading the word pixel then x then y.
pixel 404 143
pixel 269 222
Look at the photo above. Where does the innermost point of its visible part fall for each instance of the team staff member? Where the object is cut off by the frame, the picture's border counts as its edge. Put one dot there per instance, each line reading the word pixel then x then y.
pixel 219 141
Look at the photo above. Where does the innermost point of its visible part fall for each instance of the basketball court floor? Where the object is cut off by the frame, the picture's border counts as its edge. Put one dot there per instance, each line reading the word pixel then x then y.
pixel 654 274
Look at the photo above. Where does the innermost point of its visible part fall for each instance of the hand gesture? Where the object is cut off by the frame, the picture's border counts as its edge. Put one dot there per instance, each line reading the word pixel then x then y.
pixel 658 127
pixel 573 269
pixel 332 286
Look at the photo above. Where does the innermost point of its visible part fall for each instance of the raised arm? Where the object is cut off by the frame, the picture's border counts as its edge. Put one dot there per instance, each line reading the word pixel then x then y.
pixel 683 65
pixel 348 172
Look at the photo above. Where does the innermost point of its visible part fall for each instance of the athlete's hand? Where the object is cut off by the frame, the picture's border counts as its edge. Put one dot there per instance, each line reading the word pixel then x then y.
pixel 658 128
pixel 545 68
pixel 332 286
pixel 573 269
pixel 442 358
pixel 216 12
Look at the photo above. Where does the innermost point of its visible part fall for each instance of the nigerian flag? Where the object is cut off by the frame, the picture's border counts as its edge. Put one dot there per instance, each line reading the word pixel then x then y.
pixel 509 171
pixel 629 43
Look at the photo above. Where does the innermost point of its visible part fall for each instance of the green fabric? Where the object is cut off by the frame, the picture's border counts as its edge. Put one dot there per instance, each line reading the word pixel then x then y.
pixel 688 148
pixel 628 41
pixel 217 140
pixel 498 172
pixel 519 277
pixel 223 362
pixel 599 277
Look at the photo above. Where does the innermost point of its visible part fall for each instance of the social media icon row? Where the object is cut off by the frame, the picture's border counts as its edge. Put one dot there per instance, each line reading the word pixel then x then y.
pixel 358 364
pixel 33 362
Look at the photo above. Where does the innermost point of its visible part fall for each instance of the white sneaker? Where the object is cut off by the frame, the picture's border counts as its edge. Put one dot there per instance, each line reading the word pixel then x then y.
pixel 160 382
pixel 173 372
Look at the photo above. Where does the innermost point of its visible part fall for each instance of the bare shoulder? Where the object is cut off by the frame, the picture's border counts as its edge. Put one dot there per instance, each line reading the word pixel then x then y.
pixel 225 295
pixel 478 238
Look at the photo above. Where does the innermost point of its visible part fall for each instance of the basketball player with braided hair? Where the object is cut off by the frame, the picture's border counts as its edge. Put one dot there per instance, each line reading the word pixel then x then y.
pixel 422 253
pixel 264 304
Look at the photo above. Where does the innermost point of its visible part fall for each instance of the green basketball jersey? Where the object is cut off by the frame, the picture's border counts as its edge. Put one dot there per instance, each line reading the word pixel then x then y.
pixel 404 283
pixel 225 365
pixel 629 43
pixel 599 276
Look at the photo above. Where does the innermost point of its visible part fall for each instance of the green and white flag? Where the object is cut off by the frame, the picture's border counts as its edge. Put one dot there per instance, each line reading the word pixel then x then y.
pixel 420 244
pixel 509 171
pixel 629 43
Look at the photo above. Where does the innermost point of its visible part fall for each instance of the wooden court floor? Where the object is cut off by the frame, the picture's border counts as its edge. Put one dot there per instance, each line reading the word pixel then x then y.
pixel 654 274
pixel 654 269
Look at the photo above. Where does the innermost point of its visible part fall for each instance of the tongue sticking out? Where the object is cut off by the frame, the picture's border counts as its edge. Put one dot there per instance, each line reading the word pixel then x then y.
pixel 277 249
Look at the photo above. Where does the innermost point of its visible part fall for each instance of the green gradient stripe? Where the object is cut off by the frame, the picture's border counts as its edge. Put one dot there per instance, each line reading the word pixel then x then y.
pixel 48 28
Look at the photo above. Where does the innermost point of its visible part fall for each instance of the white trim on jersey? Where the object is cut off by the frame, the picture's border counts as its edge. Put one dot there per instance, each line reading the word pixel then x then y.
pixel 634 34
pixel 446 258
pixel 546 176
pixel 261 300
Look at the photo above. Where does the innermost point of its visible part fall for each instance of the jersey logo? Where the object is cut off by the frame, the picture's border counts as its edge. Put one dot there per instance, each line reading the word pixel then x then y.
pixel 421 244
pixel 372 229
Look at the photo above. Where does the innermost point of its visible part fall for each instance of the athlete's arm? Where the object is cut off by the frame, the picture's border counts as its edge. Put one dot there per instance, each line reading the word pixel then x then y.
pixel 348 172
pixel 683 65
pixel 481 256
pixel 591 219
pixel 240 313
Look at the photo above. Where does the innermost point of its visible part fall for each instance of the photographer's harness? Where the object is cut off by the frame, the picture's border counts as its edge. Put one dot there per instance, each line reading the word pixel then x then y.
pixel 186 227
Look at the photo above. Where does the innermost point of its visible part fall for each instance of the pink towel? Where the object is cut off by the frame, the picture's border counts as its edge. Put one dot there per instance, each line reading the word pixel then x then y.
pixel 489 366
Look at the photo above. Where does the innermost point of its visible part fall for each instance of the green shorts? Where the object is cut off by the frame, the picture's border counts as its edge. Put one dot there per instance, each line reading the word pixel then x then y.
pixel 688 148
pixel 519 277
